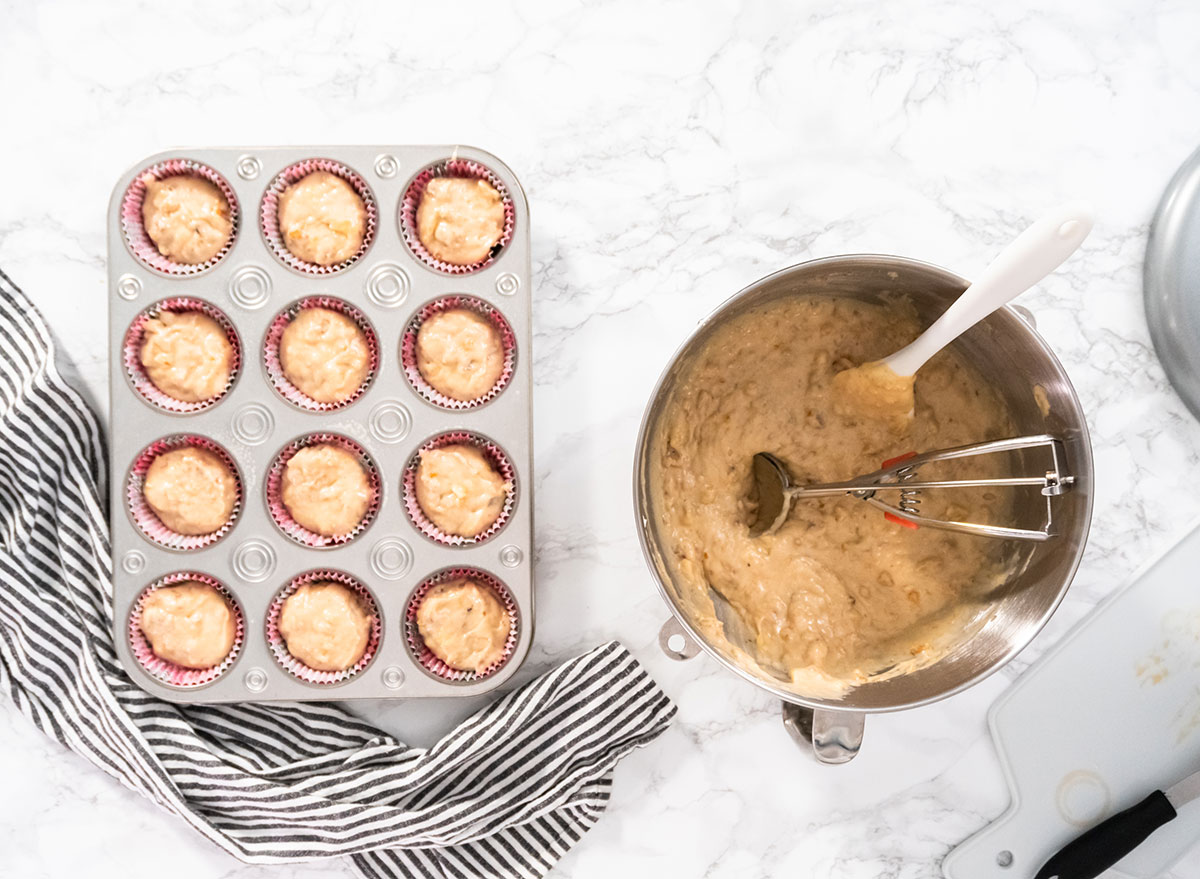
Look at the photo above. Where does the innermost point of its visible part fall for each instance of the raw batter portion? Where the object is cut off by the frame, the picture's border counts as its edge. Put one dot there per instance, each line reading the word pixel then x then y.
pixel 322 219
pixel 460 354
pixel 459 489
pixel 325 489
pixel 325 626
pixel 464 625
pixel 189 624
pixel 460 219
pixel 838 593
pixel 873 390
pixel 186 355
pixel 324 354
pixel 186 217
pixel 190 490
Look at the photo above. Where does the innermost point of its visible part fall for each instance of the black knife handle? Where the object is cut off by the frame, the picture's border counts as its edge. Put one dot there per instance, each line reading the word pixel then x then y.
pixel 1109 841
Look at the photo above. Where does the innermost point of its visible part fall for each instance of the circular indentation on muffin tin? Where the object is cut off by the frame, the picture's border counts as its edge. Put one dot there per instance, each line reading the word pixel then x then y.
pixel 274 365
pixel 136 374
pixel 508 284
pixel 392 677
pixel 386 165
pixel 294 666
pixel 269 214
pixel 133 227
pixel 387 285
pixel 425 657
pixel 391 558
pixel 254 560
pixel 495 456
pixel 255 680
pixel 250 287
pixel 273 488
pixel 133 562
pixel 169 673
pixel 253 424
pixel 248 167
pixel 408 350
pixel 511 556
pixel 389 421
pixel 144 518
pixel 412 200
pixel 129 287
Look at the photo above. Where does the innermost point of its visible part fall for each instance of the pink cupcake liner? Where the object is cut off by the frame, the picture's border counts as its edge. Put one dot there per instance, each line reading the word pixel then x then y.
pixel 143 516
pixel 273 486
pixel 274 365
pixel 134 228
pixel 412 200
pixel 408 351
pixel 495 455
pixel 294 666
pixel 168 672
pixel 136 373
pixel 269 214
pixel 426 658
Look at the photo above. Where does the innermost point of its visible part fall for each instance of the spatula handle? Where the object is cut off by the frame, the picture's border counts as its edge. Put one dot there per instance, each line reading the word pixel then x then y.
pixel 1109 841
pixel 1035 253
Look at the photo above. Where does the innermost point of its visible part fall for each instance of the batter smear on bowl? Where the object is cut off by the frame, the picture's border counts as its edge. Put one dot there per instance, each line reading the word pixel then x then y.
pixel 838 593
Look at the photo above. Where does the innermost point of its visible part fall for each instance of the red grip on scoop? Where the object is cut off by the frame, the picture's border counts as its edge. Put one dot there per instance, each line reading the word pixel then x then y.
pixel 903 523
pixel 896 460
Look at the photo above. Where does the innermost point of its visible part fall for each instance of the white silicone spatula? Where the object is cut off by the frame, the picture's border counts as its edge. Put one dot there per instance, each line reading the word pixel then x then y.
pixel 1035 253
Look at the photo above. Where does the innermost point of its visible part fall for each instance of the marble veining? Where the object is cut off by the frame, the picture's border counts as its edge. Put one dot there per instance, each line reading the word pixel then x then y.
pixel 672 152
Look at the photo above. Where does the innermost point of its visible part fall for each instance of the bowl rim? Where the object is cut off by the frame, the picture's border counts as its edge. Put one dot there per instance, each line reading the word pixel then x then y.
pixel 649 550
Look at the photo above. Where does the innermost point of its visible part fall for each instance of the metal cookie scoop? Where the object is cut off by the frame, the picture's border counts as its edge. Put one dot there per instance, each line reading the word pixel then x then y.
pixel 776 492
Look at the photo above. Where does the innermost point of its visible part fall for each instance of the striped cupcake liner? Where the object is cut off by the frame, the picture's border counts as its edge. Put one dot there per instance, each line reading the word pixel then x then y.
pixel 169 673
pixel 495 456
pixel 426 658
pixel 269 214
pixel 292 665
pixel 136 374
pixel 133 226
pixel 274 366
pixel 408 351
pixel 412 200
pixel 145 519
pixel 282 517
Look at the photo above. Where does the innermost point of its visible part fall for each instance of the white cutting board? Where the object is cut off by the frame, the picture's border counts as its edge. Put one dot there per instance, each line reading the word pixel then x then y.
pixel 1106 716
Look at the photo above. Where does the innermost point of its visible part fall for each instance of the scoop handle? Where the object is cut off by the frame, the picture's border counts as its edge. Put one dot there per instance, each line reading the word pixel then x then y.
pixel 1035 253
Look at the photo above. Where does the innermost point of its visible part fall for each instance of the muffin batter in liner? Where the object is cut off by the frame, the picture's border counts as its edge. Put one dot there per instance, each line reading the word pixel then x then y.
pixel 135 372
pixel 273 486
pixel 133 226
pixel 426 657
pixel 408 350
pixel 294 666
pixel 274 365
pixel 494 455
pixel 168 672
pixel 144 517
pixel 412 200
pixel 269 214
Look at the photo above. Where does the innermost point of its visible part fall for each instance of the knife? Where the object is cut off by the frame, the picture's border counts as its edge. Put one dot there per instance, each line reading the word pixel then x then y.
pixel 1112 839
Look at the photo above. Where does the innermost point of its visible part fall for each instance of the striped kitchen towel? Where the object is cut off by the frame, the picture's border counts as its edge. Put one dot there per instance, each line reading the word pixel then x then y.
pixel 507 793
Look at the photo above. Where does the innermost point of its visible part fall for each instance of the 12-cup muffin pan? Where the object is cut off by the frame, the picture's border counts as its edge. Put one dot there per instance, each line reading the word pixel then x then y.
pixel 251 288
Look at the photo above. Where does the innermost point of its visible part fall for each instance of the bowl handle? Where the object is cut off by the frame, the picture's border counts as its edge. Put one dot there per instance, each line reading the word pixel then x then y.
pixel 834 736
pixel 674 641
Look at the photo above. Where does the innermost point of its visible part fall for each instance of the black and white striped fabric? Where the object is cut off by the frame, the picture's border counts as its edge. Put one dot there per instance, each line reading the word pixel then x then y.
pixel 505 794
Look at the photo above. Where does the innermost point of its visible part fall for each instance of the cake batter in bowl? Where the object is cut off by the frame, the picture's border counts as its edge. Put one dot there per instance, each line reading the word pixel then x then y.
pixel 842 613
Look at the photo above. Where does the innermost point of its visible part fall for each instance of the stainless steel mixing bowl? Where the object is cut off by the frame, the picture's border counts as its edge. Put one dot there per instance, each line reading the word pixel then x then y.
pixel 1008 351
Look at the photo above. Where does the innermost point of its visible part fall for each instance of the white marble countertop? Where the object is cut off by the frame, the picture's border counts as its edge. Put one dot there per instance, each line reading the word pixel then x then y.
pixel 672 153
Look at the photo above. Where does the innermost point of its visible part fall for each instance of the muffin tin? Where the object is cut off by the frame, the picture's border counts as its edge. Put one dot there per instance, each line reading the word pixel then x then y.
pixel 391 283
